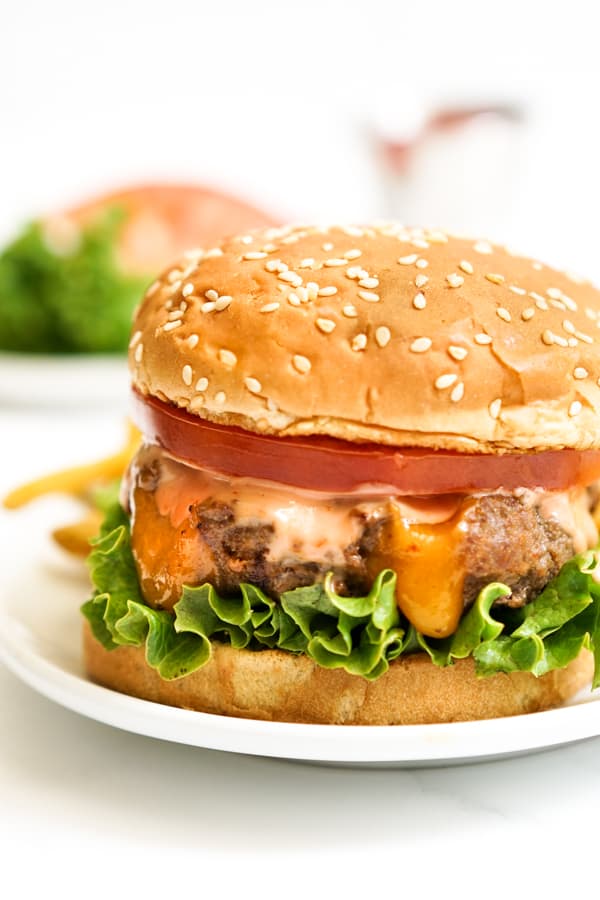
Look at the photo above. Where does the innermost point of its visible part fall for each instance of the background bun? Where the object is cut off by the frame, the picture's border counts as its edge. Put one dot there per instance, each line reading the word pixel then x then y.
pixel 280 686
pixel 405 337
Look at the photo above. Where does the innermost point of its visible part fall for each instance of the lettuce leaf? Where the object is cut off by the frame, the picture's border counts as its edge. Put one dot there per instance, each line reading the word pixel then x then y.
pixel 359 634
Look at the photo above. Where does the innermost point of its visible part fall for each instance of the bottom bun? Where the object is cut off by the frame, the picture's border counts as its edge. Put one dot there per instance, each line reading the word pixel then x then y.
pixel 280 686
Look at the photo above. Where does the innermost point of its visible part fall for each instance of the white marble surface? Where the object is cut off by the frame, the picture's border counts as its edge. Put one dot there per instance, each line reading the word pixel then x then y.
pixel 82 803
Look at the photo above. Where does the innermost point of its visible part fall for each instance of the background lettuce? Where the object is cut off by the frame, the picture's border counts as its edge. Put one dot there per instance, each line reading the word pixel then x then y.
pixel 359 634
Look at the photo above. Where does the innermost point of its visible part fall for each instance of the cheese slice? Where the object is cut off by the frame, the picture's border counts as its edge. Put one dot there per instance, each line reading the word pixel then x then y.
pixel 429 586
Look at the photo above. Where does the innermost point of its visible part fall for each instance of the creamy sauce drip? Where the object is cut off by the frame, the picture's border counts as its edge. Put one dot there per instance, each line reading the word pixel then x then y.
pixel 316 526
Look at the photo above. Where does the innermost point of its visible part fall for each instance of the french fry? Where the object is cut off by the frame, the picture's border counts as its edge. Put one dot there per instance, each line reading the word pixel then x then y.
pixel 75 538
pixel 78 479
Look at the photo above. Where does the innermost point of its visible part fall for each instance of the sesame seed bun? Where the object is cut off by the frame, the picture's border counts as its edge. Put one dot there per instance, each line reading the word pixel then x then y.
pixel 285 687
pixel 403 337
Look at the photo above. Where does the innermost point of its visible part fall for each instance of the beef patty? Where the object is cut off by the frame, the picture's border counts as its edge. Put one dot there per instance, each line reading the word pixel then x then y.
pixel 502 538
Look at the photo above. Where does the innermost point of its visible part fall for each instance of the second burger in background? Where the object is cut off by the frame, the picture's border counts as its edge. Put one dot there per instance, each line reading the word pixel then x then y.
pixel 70 281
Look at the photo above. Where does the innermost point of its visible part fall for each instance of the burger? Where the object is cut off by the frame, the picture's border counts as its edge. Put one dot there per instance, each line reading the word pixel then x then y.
pixel 366 488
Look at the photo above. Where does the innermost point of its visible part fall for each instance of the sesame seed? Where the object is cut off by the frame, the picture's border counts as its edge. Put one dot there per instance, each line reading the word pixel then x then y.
pixel 584 337
pixel 408 260
pixel 482 338
pixel 421 280
pixel 420 345
pixel 503 314
pixel 369 296
pixel 187 289
pixel 246 239
pixel 208 306
pixel 271 405
pixel 557 304
pixel 352 254
pixel 173 316
pixel 369 282
pixel 306 263
pixel 301 364
pixel 170 326
pixel 271 307
pixel 253 385
pixel 313 290
pixel 458 353
pixel 275 265
pixel 572 342
pixel 569 303
pixel 555 293
pixel 139 351
pixel 187 375
pixel 153 288
pixel 302 294
pixel 537 266
pixel 220 397
pixel 269 248
pixel 223 303
pixel 227 357
pixel 457 392
pixel 580 373
pixel 540 301
pixel 255 254
pixel 355 272
pixel 421 264
pixel 202 384
pixel 328 291
pixel 359 342
pixel 494 277
pixel 350 311
pixel 528 314
pixel 517 290
pixel 455 280
pixel 335 262
pixel 325 325
pixel 483 247
pixel 575 408
pixel 290 278
pixel 211 295
pixel 445 381
pixel 419 301
pixel 420 243
pixel 494 408
pixel 135 339
pixel 327 247
pixel 568 326
pixel 547 337
pixel 466 266
pixel 215 251
pixel 192 341
pixel 383 335
pixel 561 341
pixel 292 298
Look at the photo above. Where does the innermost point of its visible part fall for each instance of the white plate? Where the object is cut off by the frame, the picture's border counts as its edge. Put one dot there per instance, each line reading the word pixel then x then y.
pixel 40 641
pixel 81 379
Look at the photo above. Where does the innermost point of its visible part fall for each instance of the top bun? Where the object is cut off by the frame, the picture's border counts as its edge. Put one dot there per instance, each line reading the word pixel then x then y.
pixel 410 337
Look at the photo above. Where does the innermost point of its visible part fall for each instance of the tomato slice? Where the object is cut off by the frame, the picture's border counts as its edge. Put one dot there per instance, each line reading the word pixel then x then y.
pixel 337 467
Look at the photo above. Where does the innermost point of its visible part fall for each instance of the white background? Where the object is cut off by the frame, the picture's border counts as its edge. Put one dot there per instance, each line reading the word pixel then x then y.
pixel 281 103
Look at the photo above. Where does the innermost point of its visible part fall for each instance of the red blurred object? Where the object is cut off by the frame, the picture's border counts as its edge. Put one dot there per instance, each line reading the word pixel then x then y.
pixel 164 220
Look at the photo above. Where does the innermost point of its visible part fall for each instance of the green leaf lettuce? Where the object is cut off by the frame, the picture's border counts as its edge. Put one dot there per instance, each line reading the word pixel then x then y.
pixel 359 634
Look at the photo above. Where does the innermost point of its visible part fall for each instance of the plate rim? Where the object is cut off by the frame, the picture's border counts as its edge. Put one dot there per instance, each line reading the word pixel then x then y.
pixel 399 745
